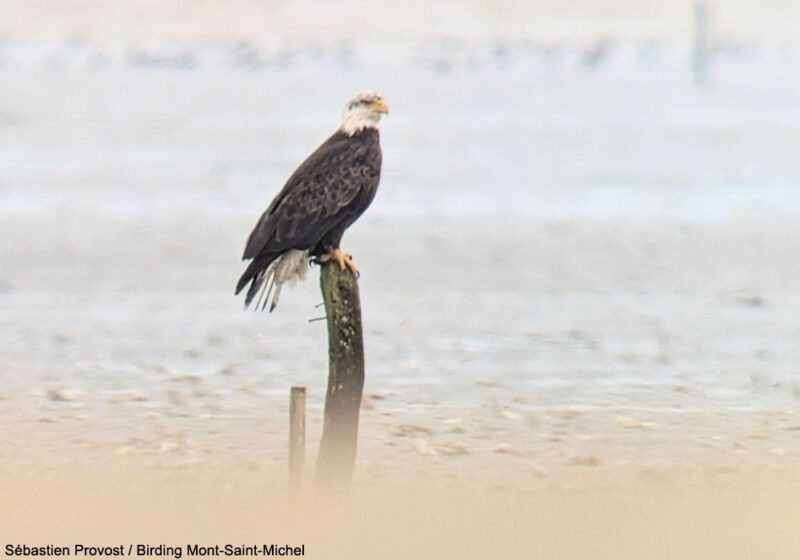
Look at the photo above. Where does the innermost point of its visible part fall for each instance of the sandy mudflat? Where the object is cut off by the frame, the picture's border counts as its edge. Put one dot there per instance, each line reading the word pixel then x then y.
pixel 744 517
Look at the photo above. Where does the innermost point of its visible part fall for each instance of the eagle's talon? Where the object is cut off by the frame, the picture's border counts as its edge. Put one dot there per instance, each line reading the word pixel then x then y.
pixel 345 260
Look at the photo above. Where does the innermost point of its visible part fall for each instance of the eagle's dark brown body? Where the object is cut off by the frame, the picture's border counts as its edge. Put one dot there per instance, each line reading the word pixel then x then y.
pixel 321 199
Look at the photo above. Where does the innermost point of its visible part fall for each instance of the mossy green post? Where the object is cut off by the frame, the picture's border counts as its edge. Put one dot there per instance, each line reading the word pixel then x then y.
pixel 337 452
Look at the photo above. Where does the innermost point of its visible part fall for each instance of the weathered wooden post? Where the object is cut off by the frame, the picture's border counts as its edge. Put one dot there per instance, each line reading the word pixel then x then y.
pixel 297 440
pixel 700 50
pixel 337 451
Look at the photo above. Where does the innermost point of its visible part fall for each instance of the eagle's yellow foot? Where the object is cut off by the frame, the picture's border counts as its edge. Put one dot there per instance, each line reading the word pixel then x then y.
pixel 345 260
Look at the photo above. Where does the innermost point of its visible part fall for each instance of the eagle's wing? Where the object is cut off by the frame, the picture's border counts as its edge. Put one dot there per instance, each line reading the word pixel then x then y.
pixel 311 200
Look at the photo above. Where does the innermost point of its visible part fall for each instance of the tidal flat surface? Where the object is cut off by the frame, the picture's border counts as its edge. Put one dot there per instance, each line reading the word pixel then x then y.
pixel 577 262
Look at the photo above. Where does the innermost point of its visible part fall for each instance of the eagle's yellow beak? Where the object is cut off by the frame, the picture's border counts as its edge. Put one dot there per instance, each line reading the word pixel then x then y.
pixel 380 106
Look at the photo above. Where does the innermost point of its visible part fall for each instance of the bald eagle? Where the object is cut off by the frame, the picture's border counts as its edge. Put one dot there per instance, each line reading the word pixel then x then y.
pixel 321 199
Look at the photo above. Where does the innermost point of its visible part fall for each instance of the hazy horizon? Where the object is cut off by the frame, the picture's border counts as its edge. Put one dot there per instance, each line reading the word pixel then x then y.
pixel 118 22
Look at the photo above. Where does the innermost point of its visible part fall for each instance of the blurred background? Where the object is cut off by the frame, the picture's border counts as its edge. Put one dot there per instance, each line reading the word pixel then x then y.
pixel 583 254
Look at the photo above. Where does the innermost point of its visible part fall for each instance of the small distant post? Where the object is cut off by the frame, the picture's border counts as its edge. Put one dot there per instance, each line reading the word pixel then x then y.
pixel 297 439
pixel 700 51
pixel 337 451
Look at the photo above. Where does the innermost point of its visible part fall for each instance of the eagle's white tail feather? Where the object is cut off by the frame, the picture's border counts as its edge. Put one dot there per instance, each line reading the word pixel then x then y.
pixel 290 267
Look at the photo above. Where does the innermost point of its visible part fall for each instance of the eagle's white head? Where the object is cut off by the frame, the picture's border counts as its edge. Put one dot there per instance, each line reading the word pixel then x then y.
pixel 363 111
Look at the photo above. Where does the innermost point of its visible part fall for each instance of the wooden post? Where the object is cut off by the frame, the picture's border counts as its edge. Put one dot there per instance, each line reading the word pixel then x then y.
pixel 337 451
pixel 700 50
pixel 297 440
